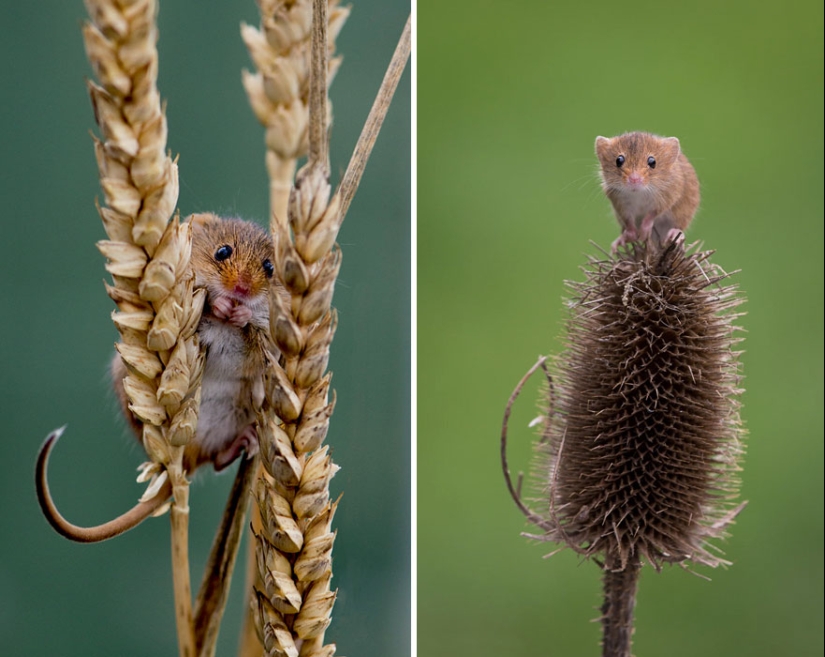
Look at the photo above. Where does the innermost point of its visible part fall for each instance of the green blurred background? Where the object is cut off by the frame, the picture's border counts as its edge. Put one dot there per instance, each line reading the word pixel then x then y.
pixel 511 97
pixel 60 598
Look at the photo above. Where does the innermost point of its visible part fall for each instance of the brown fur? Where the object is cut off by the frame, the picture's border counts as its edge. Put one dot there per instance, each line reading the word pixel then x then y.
pixel 651 203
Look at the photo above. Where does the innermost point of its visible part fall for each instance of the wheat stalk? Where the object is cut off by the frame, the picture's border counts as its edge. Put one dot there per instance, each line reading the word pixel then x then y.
pixel 148 257
pixel 293 548
pixel 279 95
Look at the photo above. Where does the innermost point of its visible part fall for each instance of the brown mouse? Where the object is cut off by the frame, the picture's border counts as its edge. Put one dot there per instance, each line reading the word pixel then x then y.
pixel 652 186
pixel 232 260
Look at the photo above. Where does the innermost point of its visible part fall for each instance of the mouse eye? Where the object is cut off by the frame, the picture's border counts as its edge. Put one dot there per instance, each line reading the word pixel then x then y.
pixel 268 268
pixel 651 162
pixel 620 161
pixel 223 253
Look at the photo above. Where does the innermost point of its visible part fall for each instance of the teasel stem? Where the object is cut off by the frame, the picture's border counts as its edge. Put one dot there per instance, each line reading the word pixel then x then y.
pixel 293 599
pixel 148 257
pixel 617 610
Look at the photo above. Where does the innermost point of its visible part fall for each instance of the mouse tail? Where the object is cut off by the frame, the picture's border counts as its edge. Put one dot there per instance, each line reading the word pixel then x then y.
pixel 122 523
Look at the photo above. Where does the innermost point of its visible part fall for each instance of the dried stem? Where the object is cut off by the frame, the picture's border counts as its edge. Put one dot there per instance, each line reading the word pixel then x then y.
pixel 515 491
pixel 179 516
pixel 318 128
pixel 617 610
pixel 358 161
pixel 211 600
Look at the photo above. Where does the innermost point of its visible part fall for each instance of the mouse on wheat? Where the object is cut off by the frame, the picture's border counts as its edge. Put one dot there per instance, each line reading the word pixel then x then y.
pixel 232 261
pixel 651 185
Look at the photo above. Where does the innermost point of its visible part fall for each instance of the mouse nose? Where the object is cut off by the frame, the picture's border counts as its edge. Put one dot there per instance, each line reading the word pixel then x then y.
pixel 242 286
pixel 635 179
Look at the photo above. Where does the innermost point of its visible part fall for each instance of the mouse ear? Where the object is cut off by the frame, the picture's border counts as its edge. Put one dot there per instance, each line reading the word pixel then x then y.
pixel 673 146
pixel 200 219
pixel 601 144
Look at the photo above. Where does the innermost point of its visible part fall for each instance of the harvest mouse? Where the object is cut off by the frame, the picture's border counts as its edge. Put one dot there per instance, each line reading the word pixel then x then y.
pixel 232 260
pixel 651 184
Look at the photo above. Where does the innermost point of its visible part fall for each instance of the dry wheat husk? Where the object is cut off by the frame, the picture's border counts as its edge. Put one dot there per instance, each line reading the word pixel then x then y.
pixel 294 545
pixel 147 252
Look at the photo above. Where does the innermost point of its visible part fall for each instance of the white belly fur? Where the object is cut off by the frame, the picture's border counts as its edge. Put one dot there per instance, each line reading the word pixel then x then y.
pixel 221 416
pixel 636 204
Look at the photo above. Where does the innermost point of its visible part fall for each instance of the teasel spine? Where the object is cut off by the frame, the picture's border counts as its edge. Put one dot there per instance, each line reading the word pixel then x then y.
pixel 147 255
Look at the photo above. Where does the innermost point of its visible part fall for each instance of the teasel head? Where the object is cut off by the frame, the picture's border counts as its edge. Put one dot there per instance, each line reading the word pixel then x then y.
pixel 641 444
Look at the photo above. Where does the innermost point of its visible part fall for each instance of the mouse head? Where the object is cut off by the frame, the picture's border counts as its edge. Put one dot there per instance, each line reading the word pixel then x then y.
pixel 233 260
pixel 635 160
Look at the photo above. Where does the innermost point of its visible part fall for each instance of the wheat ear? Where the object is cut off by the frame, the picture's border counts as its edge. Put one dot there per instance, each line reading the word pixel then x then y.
pixel 294 546
pixel 279 95
pixel 278 90
pixel 292 606
pixel 148 257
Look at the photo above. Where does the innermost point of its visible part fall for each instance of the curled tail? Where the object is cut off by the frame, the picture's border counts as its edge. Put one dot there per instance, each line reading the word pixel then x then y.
pixel 122 523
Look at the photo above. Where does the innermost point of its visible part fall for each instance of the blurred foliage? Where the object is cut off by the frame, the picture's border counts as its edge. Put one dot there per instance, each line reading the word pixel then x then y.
pixel 511 98
pixel 65 599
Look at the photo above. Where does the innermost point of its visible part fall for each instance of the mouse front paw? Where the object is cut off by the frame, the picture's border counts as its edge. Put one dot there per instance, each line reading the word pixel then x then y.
pixel 237 314
pixel 627 237
pixel 240 316
pixel 221 307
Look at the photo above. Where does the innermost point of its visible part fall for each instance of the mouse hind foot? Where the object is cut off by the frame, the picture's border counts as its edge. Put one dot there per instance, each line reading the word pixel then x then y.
pixel 245 441
pixel 675 235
